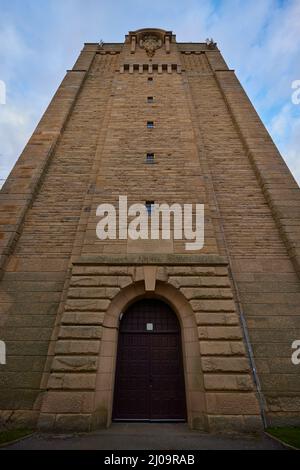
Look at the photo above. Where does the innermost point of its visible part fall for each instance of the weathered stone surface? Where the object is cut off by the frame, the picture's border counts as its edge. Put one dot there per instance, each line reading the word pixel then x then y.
pixel 73 422
pixel 244 424
pixel 73 381
pixel 206 293
pixel 222 348
pixel 74 363
pixel 18 419
pixel 225 364
pixel 68 402
pixel 232 403
pixel 83 318
pixel 77 347
pixel 219 332
pixel 213 318
pixel 18 399
pixel 86 305
pixel 93 293
pixel 199 281
pixel 80 332
pixel 213 305
pixel 226 382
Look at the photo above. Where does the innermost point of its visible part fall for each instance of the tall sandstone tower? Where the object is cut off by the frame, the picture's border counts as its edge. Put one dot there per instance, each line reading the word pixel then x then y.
pixel 121 329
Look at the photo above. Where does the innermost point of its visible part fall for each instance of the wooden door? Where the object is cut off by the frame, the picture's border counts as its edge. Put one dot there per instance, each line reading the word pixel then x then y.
pixel 149 384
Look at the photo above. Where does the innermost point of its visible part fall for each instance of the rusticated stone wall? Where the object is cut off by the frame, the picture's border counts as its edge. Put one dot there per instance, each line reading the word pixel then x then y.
pixel 219 382
pixel 41 204
pixel 62 289
pixel 258 208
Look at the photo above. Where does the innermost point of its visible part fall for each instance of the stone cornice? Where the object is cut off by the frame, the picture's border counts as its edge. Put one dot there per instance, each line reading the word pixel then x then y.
pixel 154 259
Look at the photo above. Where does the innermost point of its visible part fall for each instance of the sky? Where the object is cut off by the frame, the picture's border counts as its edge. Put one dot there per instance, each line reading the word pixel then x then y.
pixel 41 39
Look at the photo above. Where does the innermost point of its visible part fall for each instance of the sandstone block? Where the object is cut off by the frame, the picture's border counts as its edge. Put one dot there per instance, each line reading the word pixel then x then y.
pixel 232 403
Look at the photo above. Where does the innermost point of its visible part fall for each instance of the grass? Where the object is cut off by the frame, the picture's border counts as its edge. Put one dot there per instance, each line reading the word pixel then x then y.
pixel 288 435
pixel 13 434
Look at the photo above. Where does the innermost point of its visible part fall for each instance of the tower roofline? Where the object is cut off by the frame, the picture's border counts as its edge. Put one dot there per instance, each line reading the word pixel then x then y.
pixel 149 30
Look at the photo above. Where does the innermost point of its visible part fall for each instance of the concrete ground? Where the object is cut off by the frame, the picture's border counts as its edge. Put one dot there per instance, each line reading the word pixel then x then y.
pixel 145 436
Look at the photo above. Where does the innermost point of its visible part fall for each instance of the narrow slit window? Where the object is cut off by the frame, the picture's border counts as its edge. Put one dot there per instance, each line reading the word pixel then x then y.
pixel 150 157
pixel 150 79
pixel 149 206
pixel 150 124
pixel 150 99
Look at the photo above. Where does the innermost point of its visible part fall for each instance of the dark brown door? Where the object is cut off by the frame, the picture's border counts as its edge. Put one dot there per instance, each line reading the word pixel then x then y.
pixel 149 381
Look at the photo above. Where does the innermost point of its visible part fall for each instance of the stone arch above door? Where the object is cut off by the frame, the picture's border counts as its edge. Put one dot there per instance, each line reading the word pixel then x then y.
pixel 190 346
pixel 79 378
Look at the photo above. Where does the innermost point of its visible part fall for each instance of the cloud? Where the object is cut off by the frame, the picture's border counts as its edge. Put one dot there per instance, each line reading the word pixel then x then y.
pixel 285 127
pixel 13 51
pixel 259 39
pixel 16 123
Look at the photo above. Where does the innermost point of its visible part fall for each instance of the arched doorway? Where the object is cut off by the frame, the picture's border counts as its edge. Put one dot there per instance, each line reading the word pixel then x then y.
pixel 149 382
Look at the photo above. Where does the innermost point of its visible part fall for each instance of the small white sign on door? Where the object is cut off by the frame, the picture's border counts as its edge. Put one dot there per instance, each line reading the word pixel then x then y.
pixel 149 326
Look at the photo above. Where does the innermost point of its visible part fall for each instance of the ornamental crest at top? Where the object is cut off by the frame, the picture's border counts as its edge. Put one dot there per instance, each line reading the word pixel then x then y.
pixel 150 39
pixel 150 43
